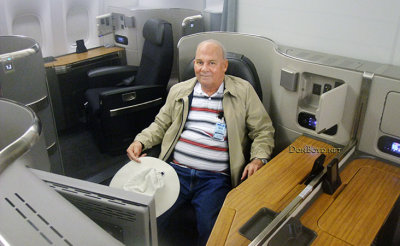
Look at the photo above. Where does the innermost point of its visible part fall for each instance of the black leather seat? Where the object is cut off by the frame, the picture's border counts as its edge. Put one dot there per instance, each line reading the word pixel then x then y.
pixel 238 65
pixel 123 100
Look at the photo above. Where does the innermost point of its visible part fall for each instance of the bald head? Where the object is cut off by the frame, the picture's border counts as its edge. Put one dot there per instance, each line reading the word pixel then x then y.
pixel 216 43
pixel 210 65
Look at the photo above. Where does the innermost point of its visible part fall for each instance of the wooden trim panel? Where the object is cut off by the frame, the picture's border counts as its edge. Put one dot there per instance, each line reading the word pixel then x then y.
pixel 357 210
pixel 273 186
pixel 74 57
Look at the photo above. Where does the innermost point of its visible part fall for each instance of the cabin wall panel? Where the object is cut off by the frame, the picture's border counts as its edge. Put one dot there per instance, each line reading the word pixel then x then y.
pixel 371 128
pixel 197 5
pixel 120 3
pixel 286 104
pixel 396 50
pixel 73 20
pixel 29 18
pixel 3 23
pixel 55 24
pixel 359 29
pixel 157 4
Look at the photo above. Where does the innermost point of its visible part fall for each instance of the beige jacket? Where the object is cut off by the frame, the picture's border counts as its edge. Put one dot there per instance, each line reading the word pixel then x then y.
pixel 245 117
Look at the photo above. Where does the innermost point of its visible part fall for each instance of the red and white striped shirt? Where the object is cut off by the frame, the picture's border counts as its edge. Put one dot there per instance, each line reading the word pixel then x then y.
pixel 196 147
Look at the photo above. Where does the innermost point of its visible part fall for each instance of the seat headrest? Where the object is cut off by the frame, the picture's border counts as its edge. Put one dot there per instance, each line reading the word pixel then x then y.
pixel 153 30
pixel 238 65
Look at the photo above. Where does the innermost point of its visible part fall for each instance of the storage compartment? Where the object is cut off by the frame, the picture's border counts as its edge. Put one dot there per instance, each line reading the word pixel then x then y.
pixel 321 103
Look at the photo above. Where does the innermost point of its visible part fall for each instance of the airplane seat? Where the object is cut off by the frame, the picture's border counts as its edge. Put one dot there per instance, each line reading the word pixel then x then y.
pixel 128 104
pixel 238 65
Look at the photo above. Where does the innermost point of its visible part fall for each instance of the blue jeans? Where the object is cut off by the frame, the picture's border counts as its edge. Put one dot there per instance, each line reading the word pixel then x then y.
pixel 206 191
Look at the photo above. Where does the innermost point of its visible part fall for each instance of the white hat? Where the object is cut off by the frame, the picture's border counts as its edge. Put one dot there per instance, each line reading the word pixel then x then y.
pixel 152 176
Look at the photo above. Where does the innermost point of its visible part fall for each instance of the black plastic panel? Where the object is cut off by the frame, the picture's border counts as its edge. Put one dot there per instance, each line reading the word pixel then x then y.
pixel 389 145
pixel 257 223
pixel 121 39
pixel 309 121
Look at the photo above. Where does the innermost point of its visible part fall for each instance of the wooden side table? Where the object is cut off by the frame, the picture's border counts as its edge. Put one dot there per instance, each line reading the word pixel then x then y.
pixel 273 187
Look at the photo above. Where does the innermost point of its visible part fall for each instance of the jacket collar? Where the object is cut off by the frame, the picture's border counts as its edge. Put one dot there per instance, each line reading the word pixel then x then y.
pixel 229 86
pixel 188 88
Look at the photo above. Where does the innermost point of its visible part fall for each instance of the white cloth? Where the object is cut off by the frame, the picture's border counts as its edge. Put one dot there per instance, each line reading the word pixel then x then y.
pixel 147 180
pixel 152 177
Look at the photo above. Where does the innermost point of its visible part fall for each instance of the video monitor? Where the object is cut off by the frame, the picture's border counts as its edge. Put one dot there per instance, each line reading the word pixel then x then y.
pixel 32 213
pixel 129 217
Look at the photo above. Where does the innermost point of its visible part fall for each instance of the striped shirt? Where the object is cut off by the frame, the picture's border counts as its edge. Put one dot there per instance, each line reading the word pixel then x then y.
pixel 196 147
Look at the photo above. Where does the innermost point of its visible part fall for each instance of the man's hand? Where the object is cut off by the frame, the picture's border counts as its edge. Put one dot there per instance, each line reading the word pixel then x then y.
pixel 134 151
pixel 251 168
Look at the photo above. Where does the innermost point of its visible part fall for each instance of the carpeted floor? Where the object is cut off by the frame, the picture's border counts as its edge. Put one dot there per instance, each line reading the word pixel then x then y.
pixel 82 158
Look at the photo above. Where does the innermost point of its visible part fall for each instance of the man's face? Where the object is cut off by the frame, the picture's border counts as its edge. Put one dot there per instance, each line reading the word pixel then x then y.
pixel 209 65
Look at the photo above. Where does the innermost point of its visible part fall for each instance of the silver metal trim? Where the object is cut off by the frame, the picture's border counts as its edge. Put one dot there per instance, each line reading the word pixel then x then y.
pixel 298 200
pixel 316 191
pixel 287 211
pixel 51 149
pixel 231 33
pixel 61 69
pixel 362 105
pixel 3 241
pixel 39 105
pixel 191 18
pixel 282 49
pixel 21 145
pixel 115 112
pixel 20 53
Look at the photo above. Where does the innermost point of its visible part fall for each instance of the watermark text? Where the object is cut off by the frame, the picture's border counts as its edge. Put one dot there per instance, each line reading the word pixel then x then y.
pixel 311 149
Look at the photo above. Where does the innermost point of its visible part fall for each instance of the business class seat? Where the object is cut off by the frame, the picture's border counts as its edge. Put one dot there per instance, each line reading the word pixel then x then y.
pixel 123 100
pixel 183 222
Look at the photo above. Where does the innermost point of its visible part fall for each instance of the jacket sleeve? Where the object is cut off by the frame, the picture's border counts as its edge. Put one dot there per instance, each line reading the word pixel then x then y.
pixel 259 125
pixel 154 134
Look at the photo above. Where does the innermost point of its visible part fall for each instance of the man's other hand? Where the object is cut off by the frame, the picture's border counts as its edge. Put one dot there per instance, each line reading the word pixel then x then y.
pixel 134 151
pixel 251 168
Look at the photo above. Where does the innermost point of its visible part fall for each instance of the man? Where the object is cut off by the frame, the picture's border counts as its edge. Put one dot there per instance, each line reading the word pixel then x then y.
pixel 205 129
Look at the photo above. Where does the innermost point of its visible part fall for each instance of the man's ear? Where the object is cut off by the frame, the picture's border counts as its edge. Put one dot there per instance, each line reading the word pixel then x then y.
pixel 226 64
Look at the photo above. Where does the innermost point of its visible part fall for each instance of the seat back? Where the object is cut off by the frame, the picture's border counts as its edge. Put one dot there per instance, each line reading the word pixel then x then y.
pixel 238 65
pixel 157 55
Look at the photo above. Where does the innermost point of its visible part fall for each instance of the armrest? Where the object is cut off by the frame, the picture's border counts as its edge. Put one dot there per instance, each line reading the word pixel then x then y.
pixel 131 99
pixel 112 70
pixel 112 76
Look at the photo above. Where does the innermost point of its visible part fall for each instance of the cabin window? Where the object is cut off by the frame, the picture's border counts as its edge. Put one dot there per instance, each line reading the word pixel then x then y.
pixel 77 24
pixel 28 25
